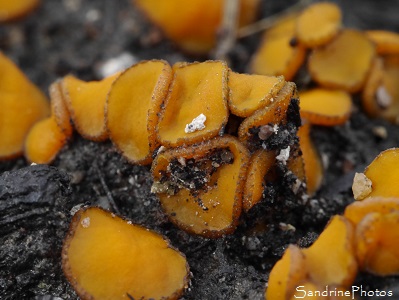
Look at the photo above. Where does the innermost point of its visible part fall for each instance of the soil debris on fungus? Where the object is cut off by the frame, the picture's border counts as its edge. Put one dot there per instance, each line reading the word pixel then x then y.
pixel 105 257
pixel 203 195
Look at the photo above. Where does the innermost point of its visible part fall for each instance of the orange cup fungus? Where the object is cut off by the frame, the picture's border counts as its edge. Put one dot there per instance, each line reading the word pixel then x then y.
pixel 381 94
pixel 196 107
pixel 196 26
pixel 318 24
pixel 325 107
pixel 201 186
pixel 86 104
pixel 386 42
pixel 260 164
pixel 22 104
pixel 384 174
pixel 48 136
pixel 344 63
pixel 329 261
pixel 107 257
pixel 133 107
pixel 248 93
pixel 276 54
pixel 13 10
pixel 311 160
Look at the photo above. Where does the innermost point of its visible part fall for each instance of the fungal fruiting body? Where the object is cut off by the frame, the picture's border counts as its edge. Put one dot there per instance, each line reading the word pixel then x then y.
pixel 22 104
pixel 201 186
pixel 193 25
pixel 133 107
pixel 106 257
pixel 13 10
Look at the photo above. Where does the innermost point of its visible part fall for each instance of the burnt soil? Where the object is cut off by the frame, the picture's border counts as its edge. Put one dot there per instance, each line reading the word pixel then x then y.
pixel 76 36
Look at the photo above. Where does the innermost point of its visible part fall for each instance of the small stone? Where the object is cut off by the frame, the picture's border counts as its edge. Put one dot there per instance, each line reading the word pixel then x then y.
pixel 284 155
pixel 196 124
pixel 362 186
pixel 380 131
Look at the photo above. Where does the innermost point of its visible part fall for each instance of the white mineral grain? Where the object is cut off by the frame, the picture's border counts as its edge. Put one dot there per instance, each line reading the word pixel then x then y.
pixel 85 222
pixel 361 187
pixel 284 155
pixel 196 124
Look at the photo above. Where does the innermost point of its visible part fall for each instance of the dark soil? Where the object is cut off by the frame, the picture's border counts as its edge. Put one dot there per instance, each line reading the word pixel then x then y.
pixel 76 36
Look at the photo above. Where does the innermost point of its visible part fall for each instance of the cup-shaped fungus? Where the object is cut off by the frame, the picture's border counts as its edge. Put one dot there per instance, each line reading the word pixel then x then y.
pixel 276 114
pixel 86 103
pixel 356 211
pixel 384 174
pixel 47 137
pixel 325 107
pixel 22 104
pixel 318 24
pixel 381 95
pixel 106 257
pixel 331 259
pixel 277 55
pixel 387 42
pixel 344 63
pixel 260 164
pixel 201 186
pixel 286 274
pixel 133 106
pixel 195 108
pixel 13 10
pixel 311 160
pixel 377 238
pixel 193 24
pixel 251 92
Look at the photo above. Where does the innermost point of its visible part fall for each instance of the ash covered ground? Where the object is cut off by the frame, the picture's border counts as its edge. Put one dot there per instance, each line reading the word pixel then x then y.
pixel 76 36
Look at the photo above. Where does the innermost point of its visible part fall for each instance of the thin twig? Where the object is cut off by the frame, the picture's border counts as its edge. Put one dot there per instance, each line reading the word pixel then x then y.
pixel 106 189
pixel 269 21
pixel 228 31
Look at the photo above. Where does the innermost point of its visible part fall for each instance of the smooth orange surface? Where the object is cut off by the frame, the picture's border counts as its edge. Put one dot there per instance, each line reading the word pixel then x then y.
pixel 106 257
pixel 311 160
pixel 22 104
pixel 384 174
pixel 318 24
pixel 197 88
pixel 387 42
pixel 261 162
pixel 193 24
pixel 44 141
pixel 331 259
pixel 86 103
pixel 344 63
pixel 59 109
pixel 377 248
pixel 357 210
pixel 15 9
pixel 251 92
pixel 133 105
pixel 221 200
pixel 325 107
pixel 286 274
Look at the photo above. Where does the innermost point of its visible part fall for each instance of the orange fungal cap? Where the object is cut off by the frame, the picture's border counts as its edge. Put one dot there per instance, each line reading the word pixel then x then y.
pixel 377 238
pixel 16 9
pixel 44 141
pixel 251 92
pixel 311 160
pixel 343 63
pixel 325 107
pixel 318 24
pixel 196 106
pixel 86 103
pixel 194 28
pixel 22 104
pixel 387 42
pixel 286 274
pixel 201 186
pixel 106 257
pixel 133 106
pixel 331 259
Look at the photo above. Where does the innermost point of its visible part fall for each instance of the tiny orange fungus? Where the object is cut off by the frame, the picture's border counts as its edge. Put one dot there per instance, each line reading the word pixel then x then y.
pixel 106 257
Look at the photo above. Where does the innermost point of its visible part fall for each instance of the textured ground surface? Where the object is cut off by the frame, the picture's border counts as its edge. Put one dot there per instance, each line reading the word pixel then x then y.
pixel 79 36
